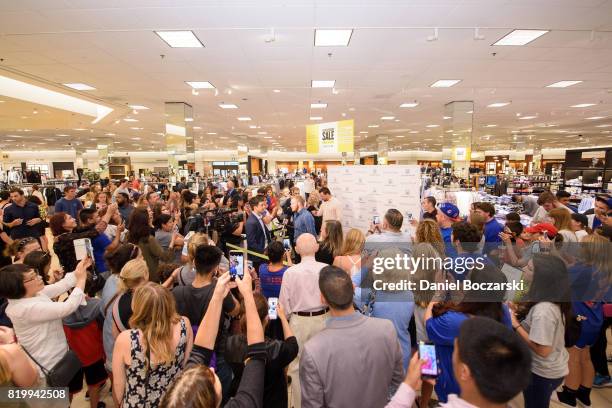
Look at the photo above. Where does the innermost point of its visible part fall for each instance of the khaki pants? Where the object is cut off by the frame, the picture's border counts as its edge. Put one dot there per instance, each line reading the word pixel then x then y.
pixel 304 328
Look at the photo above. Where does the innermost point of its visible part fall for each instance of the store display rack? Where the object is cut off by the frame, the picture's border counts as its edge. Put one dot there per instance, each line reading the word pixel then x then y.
pixel 588 170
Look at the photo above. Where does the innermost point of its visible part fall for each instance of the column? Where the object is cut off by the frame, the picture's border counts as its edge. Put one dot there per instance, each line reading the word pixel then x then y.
pixel 537 159
pixel 103 147
pixel 383 149
pixel 457 136
pixel 81 159
pixel 356 157
pixel 179 135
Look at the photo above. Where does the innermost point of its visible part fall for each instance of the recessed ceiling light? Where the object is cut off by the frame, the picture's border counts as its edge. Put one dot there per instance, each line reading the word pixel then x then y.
pixel 138 107
pixel 331 38
pixel 432 126
pixel 372 126
pixel 316 117
pixel 446 117
pixel 244 118
pixel 409 105
pixel 130 120
pixel 188 119
pixel 563 84
pixel 490 126
pixel 400 136
pixel 79 129
pixel 318 105
pixel 107 134
pixel 211 133
pixel 520 37
pixel 136 138
pixel 583 105
pixel 387 117
pixel 62 135
pixel 197 128
pixel 323 83
pixel 527 117
pixel 228 106
pixel 363 132
pixel 262 133
pixel 136 128
pixel 80 86
pixel 276 90
pixel 445 83
pixel 200 84
pixel 602 126
pixel 267 137
pixel 498 104
pixel 180 39
pixel 596 117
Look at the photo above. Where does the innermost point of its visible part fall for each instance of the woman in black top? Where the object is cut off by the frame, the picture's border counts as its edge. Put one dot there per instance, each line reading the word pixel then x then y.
pixel 279 354
pixel 331 242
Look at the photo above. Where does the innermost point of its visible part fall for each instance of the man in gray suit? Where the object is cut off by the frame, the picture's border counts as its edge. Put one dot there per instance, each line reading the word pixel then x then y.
pixel 355 361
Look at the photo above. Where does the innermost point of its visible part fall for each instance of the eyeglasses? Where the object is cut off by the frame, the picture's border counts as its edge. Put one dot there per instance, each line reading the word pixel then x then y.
pixel 24 242
pixel 35 277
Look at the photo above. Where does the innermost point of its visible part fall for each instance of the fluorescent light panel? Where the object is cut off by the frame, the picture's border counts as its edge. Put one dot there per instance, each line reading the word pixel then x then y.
pixel 316 118
pixel 445 83
pixel 244 118
pixel 409 105
pixel 387 117
pixel 228 106
pixel 521 37
pixel 563 84
pixel 80 86
pixel 318 105
pixel 332 38
pixel 596 117
pixel 200 84
pixel 583 105
pixel 42 96
pixel 323 83
pixel 498 104
pixel 138 107
pixel 180 39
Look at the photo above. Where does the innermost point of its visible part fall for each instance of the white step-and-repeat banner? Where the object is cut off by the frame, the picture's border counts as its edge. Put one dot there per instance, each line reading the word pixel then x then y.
pixel 366 191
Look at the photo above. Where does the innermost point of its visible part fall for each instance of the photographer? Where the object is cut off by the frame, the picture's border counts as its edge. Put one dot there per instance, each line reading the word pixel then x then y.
pixel 234 227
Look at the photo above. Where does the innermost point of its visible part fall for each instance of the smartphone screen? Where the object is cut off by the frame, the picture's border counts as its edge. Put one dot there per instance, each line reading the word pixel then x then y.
pixel 376 220
pixel 427 352
pixel 236 264
pixel 80 248
pixel 89 249
pixel 272 302
pixel 286 244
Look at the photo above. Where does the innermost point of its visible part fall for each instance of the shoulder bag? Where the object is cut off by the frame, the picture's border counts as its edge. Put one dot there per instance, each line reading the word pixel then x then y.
pixel 63 372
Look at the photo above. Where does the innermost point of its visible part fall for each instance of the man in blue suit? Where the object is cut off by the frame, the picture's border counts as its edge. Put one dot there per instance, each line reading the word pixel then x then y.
pixel 258 235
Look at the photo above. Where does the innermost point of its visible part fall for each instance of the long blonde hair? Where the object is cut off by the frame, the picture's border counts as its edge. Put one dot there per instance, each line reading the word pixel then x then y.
pixel 562 218
pixel 429 232
pixel 196 240
pixel 595 251
pixel 354 242
pixel 154 313
pixel 132 274
pixel 5 370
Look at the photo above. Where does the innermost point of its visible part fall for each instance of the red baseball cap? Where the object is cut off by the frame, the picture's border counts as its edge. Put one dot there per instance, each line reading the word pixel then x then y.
pixel 546 227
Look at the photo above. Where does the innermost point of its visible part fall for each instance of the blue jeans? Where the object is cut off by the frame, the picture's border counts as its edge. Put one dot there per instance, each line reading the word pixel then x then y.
pixel 538 392
pixel 224 372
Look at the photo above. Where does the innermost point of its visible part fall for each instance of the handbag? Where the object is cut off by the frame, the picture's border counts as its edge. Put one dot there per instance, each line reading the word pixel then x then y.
pixel 63 372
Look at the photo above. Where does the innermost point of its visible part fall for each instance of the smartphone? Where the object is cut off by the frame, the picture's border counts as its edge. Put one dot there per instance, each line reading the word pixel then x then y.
pixel 272 302
pixel 82 248
pixel 376 220
pixel 236 264
pixel 427 352
pixel 286 244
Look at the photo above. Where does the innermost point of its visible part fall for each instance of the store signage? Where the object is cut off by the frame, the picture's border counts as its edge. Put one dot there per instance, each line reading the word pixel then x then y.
pixel 461 154
pixel 332 137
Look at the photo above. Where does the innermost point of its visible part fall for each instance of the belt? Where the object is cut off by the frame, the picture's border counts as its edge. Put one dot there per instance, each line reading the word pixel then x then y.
pixel 311 314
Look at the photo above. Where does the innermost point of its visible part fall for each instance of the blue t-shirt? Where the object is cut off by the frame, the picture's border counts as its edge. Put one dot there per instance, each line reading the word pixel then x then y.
pixel 71 207
pixel 492 230
pixel 99 244
pixel 446 234
pixel 270 281
pixel 442 331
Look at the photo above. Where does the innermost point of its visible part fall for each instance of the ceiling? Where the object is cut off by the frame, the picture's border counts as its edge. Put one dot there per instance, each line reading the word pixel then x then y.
pixel 111 46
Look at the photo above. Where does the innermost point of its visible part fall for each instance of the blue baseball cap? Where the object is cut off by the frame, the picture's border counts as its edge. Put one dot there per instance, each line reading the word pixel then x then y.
pixel 450 210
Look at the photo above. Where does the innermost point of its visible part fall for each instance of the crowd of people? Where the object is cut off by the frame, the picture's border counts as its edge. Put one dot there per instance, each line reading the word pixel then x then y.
pixel 151 310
